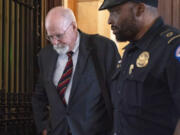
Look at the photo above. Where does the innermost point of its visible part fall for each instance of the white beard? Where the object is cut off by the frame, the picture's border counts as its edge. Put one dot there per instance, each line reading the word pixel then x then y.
pixel 61 49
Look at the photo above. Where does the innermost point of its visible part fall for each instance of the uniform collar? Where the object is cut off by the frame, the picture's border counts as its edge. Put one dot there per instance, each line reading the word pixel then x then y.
pixel 148 36
pixel 143 43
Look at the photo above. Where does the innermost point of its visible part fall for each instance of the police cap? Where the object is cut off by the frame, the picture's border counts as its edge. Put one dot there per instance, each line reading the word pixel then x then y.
pixel 111 3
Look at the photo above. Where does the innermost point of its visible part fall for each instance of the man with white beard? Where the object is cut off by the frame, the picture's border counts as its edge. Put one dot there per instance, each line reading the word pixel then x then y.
pixel 75 70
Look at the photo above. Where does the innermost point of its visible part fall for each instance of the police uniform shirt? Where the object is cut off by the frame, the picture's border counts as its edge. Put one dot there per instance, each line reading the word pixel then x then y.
pixel 146 85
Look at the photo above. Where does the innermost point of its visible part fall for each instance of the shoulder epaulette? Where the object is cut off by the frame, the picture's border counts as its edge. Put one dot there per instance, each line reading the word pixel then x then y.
pixel 170 34
pixel 173 38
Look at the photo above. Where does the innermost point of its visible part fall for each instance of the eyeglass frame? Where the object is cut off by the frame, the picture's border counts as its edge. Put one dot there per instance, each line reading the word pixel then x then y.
pixel 57 36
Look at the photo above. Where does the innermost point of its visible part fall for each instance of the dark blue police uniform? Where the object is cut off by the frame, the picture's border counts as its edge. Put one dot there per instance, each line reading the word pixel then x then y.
pixel 146 85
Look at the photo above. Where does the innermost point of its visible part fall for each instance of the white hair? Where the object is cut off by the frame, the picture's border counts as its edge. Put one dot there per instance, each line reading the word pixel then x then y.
pixel 65 13
pixel 68 15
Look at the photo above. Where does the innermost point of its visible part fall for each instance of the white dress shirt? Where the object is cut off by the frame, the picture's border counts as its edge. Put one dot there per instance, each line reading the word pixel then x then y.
pixel 60 65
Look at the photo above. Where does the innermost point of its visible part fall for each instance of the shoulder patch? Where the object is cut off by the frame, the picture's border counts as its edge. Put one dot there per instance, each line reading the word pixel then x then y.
pixel 177 53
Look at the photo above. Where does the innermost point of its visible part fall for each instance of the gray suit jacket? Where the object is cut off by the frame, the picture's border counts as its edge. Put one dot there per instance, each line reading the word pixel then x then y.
pixel 86 113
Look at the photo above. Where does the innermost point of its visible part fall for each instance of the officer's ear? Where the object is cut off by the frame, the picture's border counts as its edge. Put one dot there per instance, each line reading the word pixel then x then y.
pixel 139 9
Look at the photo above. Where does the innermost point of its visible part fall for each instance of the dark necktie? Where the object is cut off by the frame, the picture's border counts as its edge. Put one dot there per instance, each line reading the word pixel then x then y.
pixel 65 78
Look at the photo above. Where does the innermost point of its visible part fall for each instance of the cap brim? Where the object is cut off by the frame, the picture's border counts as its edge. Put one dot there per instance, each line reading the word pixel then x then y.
pixel 107 4
pixel 103 6
pixel 112 3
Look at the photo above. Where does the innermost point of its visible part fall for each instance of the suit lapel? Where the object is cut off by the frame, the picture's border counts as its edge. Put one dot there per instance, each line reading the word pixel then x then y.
pixel 84 53
pixel 51 64
pixel 52 57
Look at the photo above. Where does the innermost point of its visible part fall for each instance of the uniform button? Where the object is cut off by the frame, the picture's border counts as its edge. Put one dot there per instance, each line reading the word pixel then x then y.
pixel 120 61
pixel 118 65
pixel 118 92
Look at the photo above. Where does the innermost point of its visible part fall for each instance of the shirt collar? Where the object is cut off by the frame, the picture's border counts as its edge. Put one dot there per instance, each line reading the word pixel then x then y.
pixel 144 41
pixel 149 35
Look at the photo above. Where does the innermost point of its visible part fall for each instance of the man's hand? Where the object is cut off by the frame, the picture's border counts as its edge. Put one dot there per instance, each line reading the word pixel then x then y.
pixel 44 132
pixel 177 130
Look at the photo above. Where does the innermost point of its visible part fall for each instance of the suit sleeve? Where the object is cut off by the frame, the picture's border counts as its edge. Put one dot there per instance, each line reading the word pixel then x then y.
pixel 39 103
pixel 113 57
pixel 107 55
pixel 173 73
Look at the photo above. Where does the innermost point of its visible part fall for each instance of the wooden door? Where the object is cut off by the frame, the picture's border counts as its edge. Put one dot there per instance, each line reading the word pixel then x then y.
pixel 170 11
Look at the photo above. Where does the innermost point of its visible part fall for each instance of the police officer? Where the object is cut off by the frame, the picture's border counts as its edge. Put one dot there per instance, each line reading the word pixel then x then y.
pixel 146 85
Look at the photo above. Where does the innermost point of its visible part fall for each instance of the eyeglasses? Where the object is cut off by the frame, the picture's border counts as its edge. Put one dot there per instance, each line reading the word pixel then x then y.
pixel 57 36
